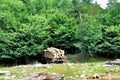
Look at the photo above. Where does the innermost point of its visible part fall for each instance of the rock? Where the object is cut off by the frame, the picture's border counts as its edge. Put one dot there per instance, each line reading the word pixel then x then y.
pixel 69 64
pixel 44 76
pixel 114 62
pixel 69 78
pixel 7 77
pixel 95 76
pixel 51 76
pixel 107 65
pixel 7 73
pixel 117 59
pixel 29 77
pixel 25 66
pixel 41 66
pixel 13 77
pixel 38 65
pixel 84 76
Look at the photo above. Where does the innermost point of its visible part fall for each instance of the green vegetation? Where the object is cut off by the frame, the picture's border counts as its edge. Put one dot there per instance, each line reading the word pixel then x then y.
pixel 88 66
pixel 27 27
pixel 77 58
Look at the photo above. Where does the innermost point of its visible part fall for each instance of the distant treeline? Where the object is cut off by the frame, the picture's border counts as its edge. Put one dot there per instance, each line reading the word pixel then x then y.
pixel 27 27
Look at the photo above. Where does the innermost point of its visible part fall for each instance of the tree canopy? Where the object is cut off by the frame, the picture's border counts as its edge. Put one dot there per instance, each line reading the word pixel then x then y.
pixel 27 27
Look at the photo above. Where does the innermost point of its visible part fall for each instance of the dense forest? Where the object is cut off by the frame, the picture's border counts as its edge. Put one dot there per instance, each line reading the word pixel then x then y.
pixel 27 27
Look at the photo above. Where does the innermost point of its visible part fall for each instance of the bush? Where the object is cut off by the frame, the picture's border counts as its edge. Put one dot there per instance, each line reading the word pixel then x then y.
pixel 62 31
pixel 89 33
pixel 109 46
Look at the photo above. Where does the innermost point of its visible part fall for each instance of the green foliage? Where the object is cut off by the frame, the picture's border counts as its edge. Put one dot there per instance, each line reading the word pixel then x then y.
pixel 111 16
pixel 115 14
pixel 111 3
pixel 62 30
pixel 29 26
pixel 63 5
pixel 110 44
pixel 89 32
pixel 29 40
pixel 86 1
pixel 21 34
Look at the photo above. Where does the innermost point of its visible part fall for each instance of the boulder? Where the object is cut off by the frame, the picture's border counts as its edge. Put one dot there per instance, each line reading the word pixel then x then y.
pixel 41 66
pixel 114 62
pixel 44 76
pixel 5 72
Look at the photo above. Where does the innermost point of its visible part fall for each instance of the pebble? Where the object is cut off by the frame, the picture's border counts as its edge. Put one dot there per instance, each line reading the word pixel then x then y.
pixel 13 77
pixel 96 76
pixel 84 76
pixel 41 66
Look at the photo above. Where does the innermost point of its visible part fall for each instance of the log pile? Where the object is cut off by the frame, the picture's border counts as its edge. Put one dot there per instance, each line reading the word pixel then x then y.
pixel 54 54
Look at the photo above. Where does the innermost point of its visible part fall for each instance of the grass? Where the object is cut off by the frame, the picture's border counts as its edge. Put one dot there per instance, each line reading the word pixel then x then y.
pixel 88 66
pixel 79 59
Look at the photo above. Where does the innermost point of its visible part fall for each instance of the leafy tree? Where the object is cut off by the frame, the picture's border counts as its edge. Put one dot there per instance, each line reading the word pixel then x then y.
pixel 86 1
pixel 77 10
pixel 89 32
pixel 115 14
pixel 109 46
pixel 111 3
pixel 23 34
pixel 63 5
pixel 29 26
pixel 62 31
